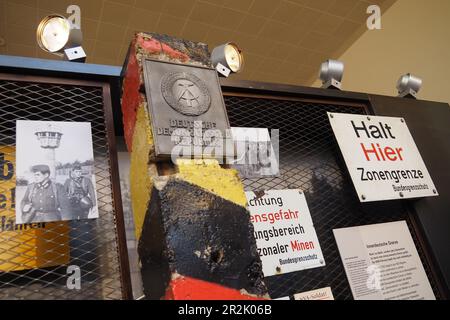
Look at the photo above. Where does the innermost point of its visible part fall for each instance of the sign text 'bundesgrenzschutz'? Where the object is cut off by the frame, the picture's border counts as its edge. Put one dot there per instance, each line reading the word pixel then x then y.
pixel 382 157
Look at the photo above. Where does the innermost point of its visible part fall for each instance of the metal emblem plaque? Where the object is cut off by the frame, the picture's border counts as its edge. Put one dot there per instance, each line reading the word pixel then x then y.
pixel 180 97
pixel 186 93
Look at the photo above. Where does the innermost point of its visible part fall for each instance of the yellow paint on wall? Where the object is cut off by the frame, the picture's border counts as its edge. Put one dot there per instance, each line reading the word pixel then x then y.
pixel 26 246
pixel 141 170
pixel 208 175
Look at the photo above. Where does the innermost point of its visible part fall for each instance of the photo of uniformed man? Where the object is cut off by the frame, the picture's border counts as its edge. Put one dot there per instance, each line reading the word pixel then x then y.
pixel 55 178
pixel 81 193
pixel 257 154
pixel 44 199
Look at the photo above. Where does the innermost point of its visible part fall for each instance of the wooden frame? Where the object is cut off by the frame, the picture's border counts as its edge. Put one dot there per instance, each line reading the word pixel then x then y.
pixel 305 94
pixel 113 163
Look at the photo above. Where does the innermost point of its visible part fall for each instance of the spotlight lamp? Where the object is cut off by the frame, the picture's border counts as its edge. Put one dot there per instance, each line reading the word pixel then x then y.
pixel 331 72
pixel 408 86
pixel 227 58
pixel 57 35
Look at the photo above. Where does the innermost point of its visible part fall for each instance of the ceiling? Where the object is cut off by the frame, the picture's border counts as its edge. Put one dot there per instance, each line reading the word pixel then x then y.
pixel 283 41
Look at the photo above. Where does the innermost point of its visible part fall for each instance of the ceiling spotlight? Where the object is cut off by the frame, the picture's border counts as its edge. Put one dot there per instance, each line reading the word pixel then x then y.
pixel 227 58
pixel 331 72
pixel 57 35
pixel 408 86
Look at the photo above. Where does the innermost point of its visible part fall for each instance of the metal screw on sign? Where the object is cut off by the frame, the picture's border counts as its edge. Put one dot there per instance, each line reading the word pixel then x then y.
pixel 434 191
pixel 331 115
pixel 402 120
pixel 278 269
pixel 368 118
pixel 401 194
pixel 363 197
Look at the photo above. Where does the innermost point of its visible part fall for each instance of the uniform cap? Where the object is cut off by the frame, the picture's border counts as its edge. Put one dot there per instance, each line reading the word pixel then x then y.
pixel 40 168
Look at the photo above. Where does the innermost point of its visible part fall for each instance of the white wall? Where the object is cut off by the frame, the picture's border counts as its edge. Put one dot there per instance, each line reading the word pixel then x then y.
pixel 415 38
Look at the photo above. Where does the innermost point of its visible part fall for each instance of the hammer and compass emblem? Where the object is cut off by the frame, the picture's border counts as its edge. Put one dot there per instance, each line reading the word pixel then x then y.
pixel 185 93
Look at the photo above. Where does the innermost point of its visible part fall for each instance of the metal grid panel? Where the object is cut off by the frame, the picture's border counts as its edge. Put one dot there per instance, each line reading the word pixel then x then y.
pixel 93 244
pixel 310 160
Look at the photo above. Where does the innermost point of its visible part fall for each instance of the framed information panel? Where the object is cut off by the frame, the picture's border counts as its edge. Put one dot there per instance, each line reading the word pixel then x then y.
pixel 75 259
pixel 310 160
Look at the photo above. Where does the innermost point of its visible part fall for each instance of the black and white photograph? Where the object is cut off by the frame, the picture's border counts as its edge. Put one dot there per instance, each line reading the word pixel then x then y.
pixel 256 155
pixel 55 178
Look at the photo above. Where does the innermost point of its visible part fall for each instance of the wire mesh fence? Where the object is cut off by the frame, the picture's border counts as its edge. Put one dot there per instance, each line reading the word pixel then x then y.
pixel 310 160
pixel 34 258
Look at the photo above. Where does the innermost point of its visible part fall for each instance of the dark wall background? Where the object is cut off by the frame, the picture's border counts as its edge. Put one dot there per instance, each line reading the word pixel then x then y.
pixel 429 123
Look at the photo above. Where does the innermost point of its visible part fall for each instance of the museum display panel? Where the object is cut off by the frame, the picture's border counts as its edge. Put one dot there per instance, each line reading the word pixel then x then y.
pixel 310 160
pixel 197 235
pixel 38 258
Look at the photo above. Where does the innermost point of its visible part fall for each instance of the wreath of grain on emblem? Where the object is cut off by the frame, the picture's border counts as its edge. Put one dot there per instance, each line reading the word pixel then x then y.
pixel 166 88
pixel 166 82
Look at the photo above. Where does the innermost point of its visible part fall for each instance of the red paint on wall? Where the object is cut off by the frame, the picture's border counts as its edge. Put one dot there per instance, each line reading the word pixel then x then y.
pixel 185 288
pixel 153 46
pixel 130 96
pixel 150 45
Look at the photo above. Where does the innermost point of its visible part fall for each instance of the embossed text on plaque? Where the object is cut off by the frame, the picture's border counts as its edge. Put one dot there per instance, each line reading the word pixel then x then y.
pixel 180 97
